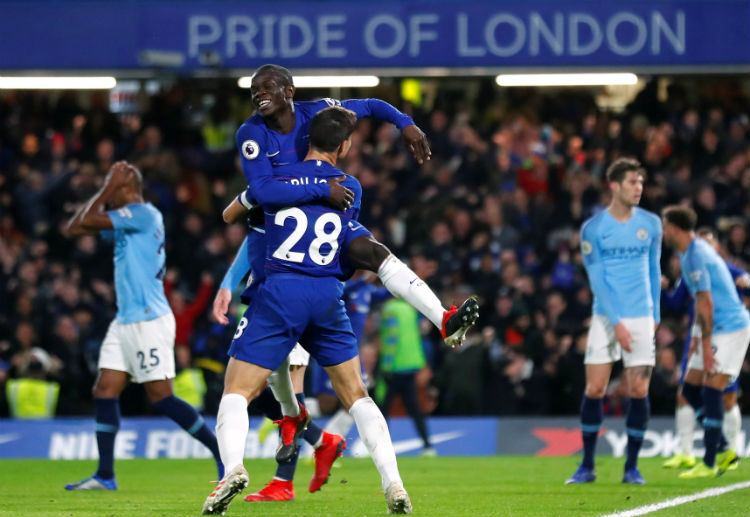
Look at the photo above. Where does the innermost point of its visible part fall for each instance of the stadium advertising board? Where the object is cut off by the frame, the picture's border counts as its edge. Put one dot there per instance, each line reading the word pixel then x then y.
pixel 67 439
pixel 335 34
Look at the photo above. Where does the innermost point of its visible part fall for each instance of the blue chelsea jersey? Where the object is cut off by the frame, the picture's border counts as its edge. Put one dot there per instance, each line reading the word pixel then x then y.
pixel 704 270
pixel 139 262
pixel 308 239
pixel 622 263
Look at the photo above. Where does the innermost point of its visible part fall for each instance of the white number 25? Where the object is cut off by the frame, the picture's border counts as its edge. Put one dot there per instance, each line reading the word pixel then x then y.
pixel 321 236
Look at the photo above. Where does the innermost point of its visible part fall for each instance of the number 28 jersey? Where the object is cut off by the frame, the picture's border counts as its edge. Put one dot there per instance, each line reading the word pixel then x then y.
pixel 311 239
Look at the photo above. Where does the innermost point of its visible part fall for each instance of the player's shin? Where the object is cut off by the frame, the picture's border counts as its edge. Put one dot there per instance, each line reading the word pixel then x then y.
pixel 281 384
pixel 732 425
pixel 403 283
pixel 374 432
pixel 231 429
pixel 107 425
pixel 712 423
pixel 685 422
pixel 636 423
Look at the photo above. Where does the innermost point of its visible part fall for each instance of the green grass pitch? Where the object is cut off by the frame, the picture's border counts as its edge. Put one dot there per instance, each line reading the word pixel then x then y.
pixel 502 486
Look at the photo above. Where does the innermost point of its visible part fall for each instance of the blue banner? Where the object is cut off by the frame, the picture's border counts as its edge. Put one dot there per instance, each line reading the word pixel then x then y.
pixel 75 439
pixel 189 35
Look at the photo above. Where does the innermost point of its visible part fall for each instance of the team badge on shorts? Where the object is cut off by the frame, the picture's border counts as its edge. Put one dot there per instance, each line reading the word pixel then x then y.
pixel 642 234
pixel 586 248
pixel 250 149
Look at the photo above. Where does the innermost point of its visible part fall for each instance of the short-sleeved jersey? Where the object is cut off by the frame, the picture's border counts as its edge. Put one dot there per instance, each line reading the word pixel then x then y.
pixel 704 270
pixel 308 239
pixel 622 262
pixel 139 262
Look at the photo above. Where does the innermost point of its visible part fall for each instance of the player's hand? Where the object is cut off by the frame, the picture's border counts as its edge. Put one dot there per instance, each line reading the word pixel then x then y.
pixel 709 361
pixel 119 174
pixel 694 344
pixel 743 281
pixel 623 336
pixel 664 282
pixel 417 142
pixel 340 197
pixel 221 306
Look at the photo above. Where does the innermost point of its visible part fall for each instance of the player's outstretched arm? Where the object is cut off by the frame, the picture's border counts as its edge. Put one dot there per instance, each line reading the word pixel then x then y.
pixel 415 138
pixel 91 217
pixel 236 272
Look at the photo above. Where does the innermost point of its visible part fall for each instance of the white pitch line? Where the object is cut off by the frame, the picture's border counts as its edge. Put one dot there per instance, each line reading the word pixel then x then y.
pixel 655 507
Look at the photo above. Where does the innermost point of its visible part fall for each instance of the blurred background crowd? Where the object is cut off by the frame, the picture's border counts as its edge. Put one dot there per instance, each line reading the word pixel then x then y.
pixel 495 212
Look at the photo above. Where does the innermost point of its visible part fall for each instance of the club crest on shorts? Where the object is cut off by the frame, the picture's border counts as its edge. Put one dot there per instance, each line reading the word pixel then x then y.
pixel 586 248
pixel 250 149
pixel 642 234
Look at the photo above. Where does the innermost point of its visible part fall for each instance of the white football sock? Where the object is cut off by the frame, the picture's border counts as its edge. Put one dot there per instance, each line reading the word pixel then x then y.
pixel 280 382
pixel 732 425
pixel 685 423
pixel 403 283
pixel 232 424
pixel 340 423
pixel 374 432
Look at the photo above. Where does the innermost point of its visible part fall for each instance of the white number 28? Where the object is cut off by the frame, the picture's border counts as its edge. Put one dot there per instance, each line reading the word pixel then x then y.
pixel 284 251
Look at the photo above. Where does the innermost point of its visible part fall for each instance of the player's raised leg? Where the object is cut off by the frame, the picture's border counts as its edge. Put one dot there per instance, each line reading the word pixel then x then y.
pixel 367 253
pixel 107 388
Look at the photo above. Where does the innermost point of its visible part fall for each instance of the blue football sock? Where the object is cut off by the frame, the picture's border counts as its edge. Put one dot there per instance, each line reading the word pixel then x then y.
pixel 693 394
pixel 107 424
pixel 635 426
pixel 268 405
pixel 313 431
pixel 188 418
pixel 285 469
pixel 592 415
pixel 714 418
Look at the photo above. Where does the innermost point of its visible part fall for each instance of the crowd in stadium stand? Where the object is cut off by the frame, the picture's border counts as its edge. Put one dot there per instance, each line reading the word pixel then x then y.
pixel 495 212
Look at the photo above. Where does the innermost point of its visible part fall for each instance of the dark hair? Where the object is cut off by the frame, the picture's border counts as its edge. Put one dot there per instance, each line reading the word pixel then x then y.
pixel 283 73
pixel 330 127
pixel 682 217
pixel 620 167
pixel 706 231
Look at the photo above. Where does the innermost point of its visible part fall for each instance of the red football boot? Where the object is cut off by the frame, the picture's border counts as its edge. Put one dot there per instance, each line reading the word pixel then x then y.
pixel 332 447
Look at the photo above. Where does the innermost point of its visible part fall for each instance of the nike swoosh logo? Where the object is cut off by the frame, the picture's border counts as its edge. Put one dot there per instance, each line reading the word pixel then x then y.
pixel 417 443
pixel 271 155
pixel 412 282
pixel 10 437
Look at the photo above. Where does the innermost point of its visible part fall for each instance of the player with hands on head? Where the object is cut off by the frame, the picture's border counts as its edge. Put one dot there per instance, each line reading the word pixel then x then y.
pixel 139 343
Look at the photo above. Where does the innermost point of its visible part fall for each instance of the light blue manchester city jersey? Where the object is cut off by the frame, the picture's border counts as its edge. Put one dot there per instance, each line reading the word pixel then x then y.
pixel 139 262
pixel 622 263
pixel 704 270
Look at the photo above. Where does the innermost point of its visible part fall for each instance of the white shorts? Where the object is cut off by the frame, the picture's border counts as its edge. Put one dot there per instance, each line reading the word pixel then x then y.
pixel 144 349
pixel 603 348
pixel 729 352
pixel 299 356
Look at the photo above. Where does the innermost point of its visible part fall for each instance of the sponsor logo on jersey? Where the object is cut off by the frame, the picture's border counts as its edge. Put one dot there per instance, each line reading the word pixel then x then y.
pixel 250 149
